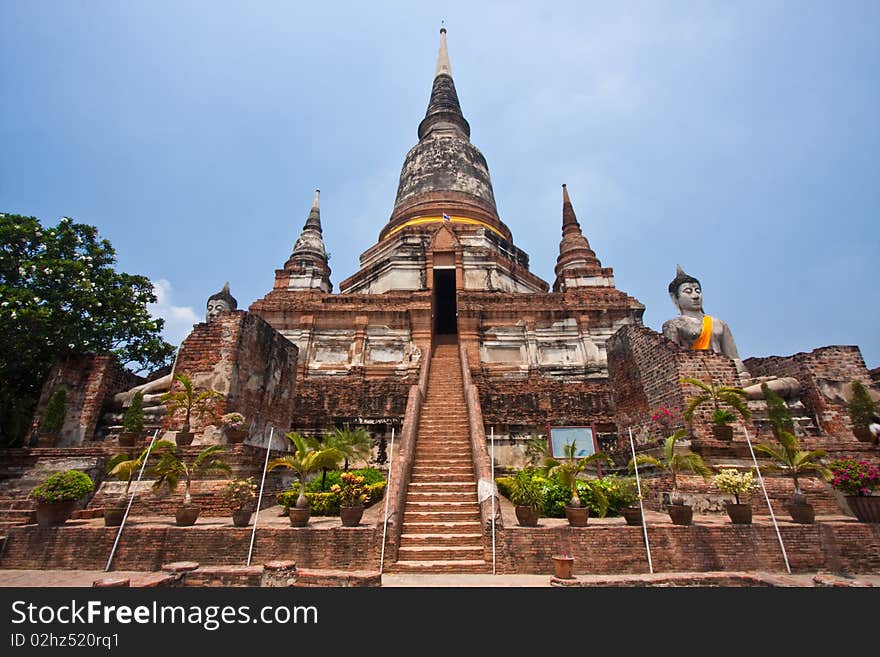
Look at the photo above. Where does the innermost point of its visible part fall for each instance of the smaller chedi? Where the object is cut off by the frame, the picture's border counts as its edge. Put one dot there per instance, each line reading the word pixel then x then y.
pixel 693 328
pixel 220 302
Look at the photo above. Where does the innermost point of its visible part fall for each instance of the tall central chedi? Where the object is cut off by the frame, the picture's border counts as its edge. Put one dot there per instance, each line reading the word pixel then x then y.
pixel 444 179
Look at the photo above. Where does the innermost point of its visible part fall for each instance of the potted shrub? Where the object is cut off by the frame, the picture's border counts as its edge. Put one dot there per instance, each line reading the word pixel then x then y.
pixel 232 425
pixel 190 400
pixel 351 493
pixel 624 499
pixel 241 497
pixel 718 396
pixel 674 463
pixel 306 459
pixel 861 412
pixel 171 467
pixel 132 422
pixel 527 496
pixel 57 496
pixel 53 419
pixel 857 480
pixel 736 483
pixel 567 472
pixel 123 467
pixel 788 458
pixel 778 414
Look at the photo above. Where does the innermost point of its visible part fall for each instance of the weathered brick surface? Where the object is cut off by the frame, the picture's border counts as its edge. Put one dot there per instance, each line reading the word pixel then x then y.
pixel 149 547
pixel 246 360
pixel 321 402
pixel 645 369
pixel 603 549
pixel 835 365
pixel 90 381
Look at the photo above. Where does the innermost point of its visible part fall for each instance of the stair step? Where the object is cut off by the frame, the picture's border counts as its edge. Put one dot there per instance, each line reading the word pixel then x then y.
pixel 443 486
pixel 434 497
pixel 438 477
pixel 450 539
pixel 462 566
pixel 440 516
pixel 440 553
pixel 461 505
pixel 443 527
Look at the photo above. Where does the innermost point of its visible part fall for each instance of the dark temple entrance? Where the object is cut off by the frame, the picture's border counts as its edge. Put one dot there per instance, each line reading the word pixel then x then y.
pixel 445 311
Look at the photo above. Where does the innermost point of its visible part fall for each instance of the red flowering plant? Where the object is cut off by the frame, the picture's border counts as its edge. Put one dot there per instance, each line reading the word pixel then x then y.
pixel 852 477
pixel 664 418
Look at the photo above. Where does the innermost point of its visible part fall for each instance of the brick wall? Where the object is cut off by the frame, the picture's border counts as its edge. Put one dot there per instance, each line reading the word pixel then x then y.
pixel 90 380
pixel 149 547
pixel 319 401
pixel 821 372
pixel 246 360
pixel 644 371
pixel 849 546
pixel 541 401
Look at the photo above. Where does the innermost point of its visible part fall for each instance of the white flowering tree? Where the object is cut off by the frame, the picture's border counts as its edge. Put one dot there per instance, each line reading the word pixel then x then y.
pixel 60 294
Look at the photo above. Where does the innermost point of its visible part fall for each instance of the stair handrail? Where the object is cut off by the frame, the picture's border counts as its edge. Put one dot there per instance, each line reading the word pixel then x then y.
pixel 487 491
pixel 400 469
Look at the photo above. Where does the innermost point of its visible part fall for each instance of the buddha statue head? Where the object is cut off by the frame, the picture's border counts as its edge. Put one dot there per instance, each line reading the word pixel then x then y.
pixel 220 302
pixel 685 292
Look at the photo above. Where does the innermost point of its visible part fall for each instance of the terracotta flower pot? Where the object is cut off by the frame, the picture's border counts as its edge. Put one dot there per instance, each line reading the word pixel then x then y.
pixel 740 514
pixel 52 514
pixel 184 438
pixel 865 508
pixel 242 517
pixel 114 513
pixel 562 567
pixel 186 515
pixel 681 514
pixel 577 515
pixel 351 515
pixel 722 432
pixel 632 515
pixel 802 512
pixel 235 436
pixel 526 516
pixel 863 434
pixel 128 438
pixel 299 517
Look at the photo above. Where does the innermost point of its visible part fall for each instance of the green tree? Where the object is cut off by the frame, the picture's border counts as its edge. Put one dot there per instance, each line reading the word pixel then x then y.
pixel 777 412
pixel 60 295
pixel 304 460
pixel 674 462
pixel 172 467
pixel 190 400
pixel 133 420
pixel 567 471
pixel 789 459
pixel 354 443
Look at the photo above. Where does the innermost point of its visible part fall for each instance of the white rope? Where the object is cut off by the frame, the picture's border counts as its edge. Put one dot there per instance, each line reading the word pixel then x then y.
pixel 492 465
pixel 260 498
pixel 130 500
pixel 387 495
pixel 641 502
pixel 767 498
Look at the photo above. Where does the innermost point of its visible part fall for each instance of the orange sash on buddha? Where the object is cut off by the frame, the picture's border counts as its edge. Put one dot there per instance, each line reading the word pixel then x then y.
pixel 702 342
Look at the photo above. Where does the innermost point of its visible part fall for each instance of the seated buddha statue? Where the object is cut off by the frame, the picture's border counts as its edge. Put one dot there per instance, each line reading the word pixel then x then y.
pixel 696 330
pixel 220 302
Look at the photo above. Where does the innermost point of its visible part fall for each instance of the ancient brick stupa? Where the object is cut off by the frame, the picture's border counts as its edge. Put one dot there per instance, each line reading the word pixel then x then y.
pixel 446 269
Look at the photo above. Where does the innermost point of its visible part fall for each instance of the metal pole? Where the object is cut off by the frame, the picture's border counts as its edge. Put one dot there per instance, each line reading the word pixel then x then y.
pixel 641 502
pixel 492 465
pixel 767 498
pixel 387 495
pixel 130 500
pixel 260 498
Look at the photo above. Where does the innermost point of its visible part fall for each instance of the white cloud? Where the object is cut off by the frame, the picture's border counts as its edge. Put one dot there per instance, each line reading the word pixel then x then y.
pixel 179 320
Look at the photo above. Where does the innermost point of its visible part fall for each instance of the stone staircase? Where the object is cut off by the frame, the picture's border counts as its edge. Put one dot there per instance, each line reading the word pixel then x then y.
pixel 441 530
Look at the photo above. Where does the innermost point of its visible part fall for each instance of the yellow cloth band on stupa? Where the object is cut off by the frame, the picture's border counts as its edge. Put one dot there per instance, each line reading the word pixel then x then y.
pixel 455 220
pixel 702 342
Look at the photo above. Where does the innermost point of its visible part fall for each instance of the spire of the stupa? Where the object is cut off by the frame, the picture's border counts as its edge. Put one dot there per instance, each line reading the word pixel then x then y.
pixel 307 267
pixel 444 110
pixel 577 264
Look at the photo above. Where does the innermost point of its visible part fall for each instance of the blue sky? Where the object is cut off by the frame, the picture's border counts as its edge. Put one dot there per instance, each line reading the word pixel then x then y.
pixel 741 140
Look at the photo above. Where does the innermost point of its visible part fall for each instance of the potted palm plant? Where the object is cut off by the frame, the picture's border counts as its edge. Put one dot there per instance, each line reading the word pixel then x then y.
pixel 123 467
pixel 306 459
pixel 132 421
pixel 190 400
pixel 567 472
pixel 351 494
pixel 861 412
pixel 718 396
pixel 241 496
pixel 674 463
pixel 57 496
pixel 788 458
pixel 527 496
pixel 172 466
pixel 736 483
